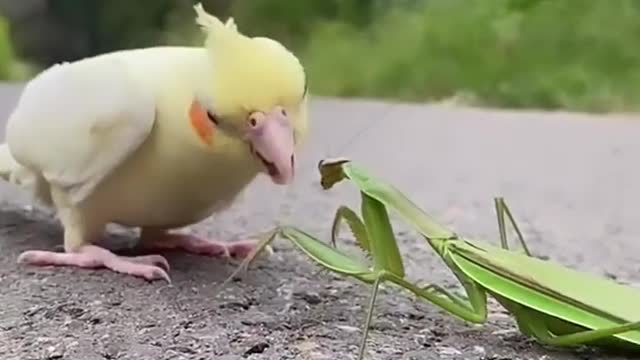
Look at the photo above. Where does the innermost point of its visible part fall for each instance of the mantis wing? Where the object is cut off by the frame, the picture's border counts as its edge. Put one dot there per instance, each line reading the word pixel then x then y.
pixel 576 297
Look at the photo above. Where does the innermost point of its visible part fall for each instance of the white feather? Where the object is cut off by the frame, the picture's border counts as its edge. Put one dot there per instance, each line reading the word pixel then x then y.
pixel 76 122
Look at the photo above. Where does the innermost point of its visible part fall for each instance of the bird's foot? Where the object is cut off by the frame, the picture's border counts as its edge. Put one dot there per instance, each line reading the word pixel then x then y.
pixel 197 245
pixel 150 267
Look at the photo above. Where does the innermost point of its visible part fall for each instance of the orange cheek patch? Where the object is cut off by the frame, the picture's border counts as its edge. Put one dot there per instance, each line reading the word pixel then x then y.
pixel 201 124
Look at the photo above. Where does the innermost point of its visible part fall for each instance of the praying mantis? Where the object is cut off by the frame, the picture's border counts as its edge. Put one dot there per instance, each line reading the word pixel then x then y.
pixel 554 304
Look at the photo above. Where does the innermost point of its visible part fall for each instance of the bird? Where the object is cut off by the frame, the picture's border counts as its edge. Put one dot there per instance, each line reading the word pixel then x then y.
pixel 156 138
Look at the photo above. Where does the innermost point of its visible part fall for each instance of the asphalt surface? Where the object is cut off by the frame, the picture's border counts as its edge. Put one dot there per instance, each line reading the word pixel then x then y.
pixel 571 181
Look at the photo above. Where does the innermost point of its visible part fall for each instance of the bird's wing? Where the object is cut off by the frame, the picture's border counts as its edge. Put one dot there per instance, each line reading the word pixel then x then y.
pixel 76 122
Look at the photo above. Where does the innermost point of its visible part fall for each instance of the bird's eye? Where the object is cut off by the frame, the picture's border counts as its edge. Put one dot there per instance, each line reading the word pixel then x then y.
pixel 212 118
pixel 284 112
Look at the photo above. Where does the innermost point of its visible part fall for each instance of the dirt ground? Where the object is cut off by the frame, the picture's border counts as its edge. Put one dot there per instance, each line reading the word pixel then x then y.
pixel 569 180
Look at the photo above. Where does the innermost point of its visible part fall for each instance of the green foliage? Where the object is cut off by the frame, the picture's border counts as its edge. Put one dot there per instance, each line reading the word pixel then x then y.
pixel 509 53
pixel 6 51
pixel 114 24
pixel 292 22
pixel 11 69
pixel 527 53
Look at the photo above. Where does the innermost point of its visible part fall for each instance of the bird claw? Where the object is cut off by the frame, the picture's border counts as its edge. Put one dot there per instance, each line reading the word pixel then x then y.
pixel 152 273
pixel 152 260
pixel 149 267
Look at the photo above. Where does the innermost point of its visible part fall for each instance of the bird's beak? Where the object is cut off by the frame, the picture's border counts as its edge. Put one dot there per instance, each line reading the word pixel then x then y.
pixel 271 139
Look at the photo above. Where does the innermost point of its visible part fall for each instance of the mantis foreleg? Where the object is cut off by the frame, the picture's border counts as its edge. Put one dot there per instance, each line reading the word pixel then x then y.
pixel 356 225
pixel 472 310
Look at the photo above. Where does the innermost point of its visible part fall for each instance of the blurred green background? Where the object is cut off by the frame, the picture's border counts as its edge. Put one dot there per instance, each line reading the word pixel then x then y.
pixel 552 54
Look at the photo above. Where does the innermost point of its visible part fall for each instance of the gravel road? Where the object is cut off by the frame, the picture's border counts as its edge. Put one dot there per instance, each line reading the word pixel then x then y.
pixel 571 180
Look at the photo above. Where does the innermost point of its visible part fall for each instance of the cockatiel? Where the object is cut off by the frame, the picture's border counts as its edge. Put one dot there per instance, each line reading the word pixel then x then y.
pixel 157 138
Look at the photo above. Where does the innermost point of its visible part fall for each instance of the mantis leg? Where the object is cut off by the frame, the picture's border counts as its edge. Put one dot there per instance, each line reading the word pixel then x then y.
pixel 372 302
pixel 474 311
pixel 356 225
pixel 442 291
pixel 501 210
pixel 539 329
pixel 247 261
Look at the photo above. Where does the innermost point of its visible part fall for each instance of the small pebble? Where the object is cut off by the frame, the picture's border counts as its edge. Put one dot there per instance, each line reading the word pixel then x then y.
pixel 258 348
pixel 478 349
pixel 504 332
pixel 54 352
pixel 310 298
pixel 347 328
pixel 447 350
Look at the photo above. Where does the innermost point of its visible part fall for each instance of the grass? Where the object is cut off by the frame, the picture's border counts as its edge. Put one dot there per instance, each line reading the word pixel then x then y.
pixel 545 54
pixel 11 68
pixel 550 54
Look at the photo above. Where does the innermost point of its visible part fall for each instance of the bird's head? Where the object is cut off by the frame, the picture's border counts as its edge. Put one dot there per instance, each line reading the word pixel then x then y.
pixel 254 96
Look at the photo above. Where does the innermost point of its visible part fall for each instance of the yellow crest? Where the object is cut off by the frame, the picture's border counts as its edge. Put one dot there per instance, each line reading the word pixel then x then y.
pixel 248 73
pixel 218 34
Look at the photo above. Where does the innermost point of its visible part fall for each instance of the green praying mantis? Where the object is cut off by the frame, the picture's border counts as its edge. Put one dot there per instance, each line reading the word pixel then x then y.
pixel 554 304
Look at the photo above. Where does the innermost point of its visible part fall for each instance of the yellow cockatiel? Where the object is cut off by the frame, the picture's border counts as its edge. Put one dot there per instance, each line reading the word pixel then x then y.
pixel 156 138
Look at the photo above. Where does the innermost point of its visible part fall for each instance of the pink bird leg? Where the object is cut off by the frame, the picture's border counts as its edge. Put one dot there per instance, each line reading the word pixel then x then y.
pixel 154 240
pixel 150 267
